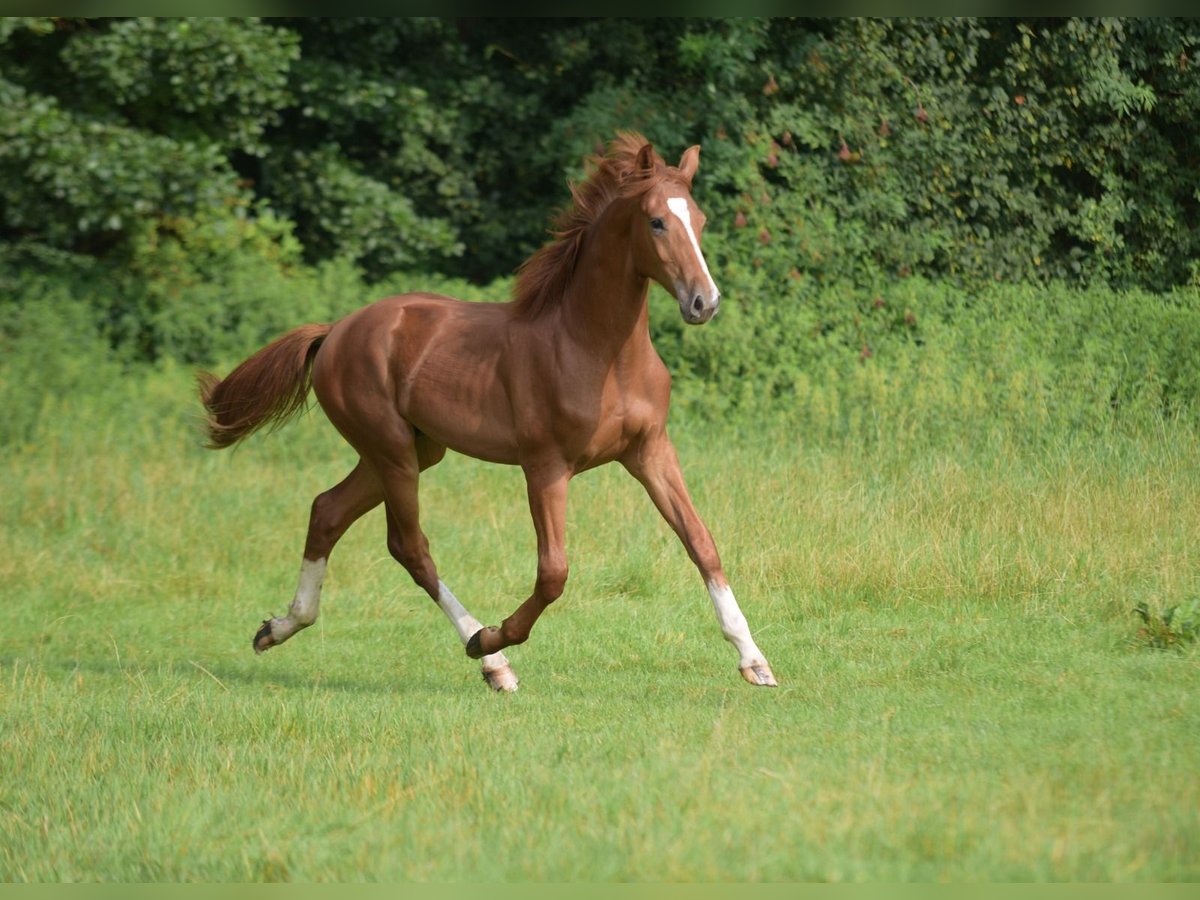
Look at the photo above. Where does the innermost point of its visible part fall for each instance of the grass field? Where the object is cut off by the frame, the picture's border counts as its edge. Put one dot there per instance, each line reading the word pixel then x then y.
pixel 964 694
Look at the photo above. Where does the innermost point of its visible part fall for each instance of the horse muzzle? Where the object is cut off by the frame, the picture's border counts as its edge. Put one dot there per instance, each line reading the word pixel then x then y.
pixel 698 305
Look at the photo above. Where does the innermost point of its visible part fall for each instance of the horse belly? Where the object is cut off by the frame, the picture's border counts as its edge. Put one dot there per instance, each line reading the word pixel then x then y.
pixel 463 409
pixel 449 384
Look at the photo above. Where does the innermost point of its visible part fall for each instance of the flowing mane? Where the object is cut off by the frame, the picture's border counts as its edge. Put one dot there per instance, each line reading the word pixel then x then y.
pixel 542 279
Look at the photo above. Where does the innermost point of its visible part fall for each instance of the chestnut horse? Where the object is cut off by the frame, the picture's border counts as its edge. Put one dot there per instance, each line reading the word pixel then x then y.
pixel 559 380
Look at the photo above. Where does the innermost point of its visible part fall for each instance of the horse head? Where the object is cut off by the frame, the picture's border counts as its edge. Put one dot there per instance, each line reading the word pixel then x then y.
pixel 667 235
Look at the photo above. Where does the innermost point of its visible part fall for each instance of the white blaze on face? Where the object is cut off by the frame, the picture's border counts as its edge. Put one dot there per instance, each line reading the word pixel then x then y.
pixel 679 206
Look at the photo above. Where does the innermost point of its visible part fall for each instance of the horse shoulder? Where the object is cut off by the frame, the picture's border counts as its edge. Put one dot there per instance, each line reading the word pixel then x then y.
pixel 640 394
pixel 649 379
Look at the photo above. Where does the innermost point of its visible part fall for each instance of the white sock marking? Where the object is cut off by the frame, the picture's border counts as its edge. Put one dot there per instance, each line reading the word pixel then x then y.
pixel 303 610
pixel 733 624
pixel 307 601
pixel 465 624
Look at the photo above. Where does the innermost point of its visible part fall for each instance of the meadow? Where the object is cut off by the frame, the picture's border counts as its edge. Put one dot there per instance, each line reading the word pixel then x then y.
pixel 946 432
pixel 965 692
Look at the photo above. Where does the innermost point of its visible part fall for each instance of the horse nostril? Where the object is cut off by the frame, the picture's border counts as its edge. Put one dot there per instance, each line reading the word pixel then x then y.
pixel 698 304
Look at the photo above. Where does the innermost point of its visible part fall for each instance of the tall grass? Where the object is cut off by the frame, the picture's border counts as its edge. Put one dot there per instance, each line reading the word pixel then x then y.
pixel 964 693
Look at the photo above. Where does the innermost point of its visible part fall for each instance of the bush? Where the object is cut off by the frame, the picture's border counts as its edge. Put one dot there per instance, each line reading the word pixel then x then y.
pixel 927 361
pixel 1175 626
pixel 193 292
pixel 975 149
pixel 52 353
pixel 197 290
pixel 910 361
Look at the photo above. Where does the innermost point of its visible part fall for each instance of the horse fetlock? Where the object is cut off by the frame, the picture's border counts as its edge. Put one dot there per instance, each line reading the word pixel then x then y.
pixel 475 645
pixel 275 631
pixel 512 633
pixel 300 617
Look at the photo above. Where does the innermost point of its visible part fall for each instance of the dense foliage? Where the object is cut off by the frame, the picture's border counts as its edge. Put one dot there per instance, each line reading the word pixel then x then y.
pixel 1006 148
pixel 186 188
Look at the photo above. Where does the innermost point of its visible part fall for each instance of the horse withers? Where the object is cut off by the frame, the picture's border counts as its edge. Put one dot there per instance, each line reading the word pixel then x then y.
pixel 559 380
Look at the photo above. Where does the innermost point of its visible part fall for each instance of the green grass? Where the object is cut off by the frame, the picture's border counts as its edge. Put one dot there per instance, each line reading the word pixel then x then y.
pixel 964 694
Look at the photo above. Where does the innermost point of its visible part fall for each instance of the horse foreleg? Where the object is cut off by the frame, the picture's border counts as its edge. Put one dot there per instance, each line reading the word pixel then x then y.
pixel 656 465
pixel 410 548
pixel 495 666
pixel 332 513
pixel 548 505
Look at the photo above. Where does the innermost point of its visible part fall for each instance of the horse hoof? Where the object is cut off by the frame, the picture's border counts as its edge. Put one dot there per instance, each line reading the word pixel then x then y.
pixel 759 674
pixel 263 639
pixel 474 646
pixel 501 679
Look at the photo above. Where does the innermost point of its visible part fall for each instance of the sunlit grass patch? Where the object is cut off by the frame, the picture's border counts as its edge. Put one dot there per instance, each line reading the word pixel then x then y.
pixel 964 693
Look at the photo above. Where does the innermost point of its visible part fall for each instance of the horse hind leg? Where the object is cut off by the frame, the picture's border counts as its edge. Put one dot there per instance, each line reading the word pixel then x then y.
pixel 333 512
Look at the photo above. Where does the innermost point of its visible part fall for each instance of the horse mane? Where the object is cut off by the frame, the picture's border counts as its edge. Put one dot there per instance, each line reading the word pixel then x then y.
pixel 542 279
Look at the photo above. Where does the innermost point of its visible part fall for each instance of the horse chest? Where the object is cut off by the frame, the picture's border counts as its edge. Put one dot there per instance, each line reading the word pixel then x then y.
pixel 597 425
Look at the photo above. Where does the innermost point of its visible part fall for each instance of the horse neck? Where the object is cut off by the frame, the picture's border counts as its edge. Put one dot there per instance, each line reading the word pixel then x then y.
pixel 604 304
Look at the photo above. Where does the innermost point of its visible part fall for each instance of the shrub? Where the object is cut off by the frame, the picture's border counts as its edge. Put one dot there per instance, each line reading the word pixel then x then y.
pixel 922 361
pixel 218 286
pixel 52 352
pixel 1174 626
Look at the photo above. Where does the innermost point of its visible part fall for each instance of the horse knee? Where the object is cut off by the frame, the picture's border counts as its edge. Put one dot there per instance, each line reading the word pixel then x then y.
pixel 415 559
pixel 401 551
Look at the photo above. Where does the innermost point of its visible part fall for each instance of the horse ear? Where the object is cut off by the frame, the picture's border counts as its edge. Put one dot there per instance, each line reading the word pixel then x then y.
pixel 690 162
pixel 644 161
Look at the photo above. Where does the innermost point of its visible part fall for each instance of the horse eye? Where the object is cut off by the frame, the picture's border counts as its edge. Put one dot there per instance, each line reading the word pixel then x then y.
pixel 657 226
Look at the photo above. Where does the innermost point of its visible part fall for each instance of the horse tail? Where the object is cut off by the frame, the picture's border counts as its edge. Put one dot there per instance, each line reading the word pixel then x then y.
pixel 267 389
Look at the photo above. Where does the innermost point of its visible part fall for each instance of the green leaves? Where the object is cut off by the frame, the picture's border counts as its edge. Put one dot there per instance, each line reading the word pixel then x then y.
pixel 348 214
pixel 855 151
pixel 1174 626
pixel 74 180
pixel 208 80
pixel 980 149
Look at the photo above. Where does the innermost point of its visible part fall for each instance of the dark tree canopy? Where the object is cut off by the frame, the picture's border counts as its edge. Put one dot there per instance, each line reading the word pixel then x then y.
pixel 997 148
